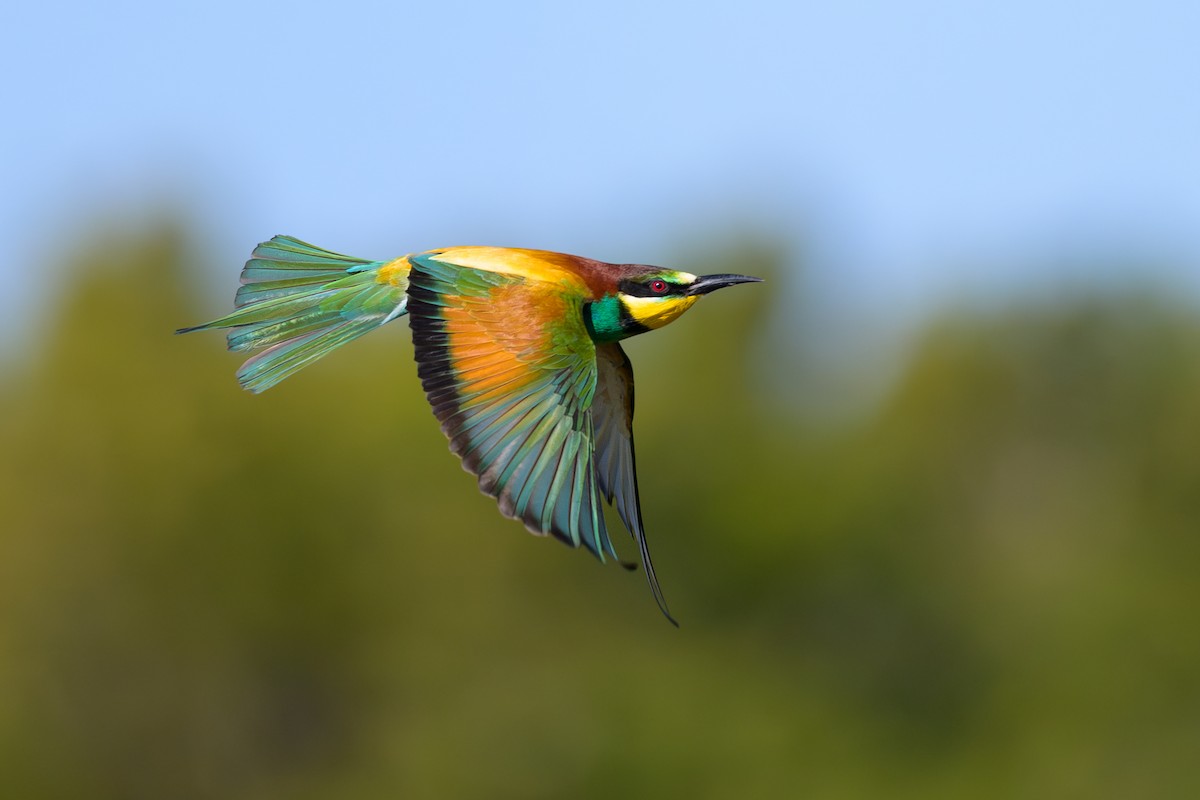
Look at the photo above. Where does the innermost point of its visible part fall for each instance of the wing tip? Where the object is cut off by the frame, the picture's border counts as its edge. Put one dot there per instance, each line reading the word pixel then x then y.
pixel 659 597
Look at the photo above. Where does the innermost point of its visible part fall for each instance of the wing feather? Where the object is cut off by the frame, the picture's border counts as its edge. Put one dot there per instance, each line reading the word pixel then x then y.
pixel 612 415
pixel 513 396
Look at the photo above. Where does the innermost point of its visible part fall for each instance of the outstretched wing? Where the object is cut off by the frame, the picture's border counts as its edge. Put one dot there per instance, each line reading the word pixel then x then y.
pixel 612 418
pixel 510 371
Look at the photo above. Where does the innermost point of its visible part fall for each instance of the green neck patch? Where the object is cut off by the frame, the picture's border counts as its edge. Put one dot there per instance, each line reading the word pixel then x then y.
pixel 607 320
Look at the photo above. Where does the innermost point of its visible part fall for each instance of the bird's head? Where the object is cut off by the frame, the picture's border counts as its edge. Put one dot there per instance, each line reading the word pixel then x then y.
pixel 646 298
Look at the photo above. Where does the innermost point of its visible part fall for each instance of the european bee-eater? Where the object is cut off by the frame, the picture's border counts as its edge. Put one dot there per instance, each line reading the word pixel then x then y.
pixel 517 351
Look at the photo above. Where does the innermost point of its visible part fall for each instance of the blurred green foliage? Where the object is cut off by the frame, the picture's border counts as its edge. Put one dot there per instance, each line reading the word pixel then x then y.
pixel 984 588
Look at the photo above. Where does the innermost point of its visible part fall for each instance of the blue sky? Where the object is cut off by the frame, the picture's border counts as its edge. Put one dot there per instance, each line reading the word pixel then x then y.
pixel 916 151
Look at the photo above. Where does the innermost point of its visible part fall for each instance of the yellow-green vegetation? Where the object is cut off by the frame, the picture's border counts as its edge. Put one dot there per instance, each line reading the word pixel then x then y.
pixel 985 587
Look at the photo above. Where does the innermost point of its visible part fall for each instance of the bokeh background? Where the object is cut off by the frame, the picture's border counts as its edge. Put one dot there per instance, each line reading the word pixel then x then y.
pixel 926 503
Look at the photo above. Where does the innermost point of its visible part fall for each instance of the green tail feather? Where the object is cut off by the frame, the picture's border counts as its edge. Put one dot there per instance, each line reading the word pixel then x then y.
pixel 297 302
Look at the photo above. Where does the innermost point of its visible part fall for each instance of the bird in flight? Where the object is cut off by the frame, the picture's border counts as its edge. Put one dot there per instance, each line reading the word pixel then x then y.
pixel 517 350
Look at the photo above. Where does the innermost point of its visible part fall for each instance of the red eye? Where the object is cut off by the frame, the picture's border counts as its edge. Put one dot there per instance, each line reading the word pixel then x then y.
pixel 658 286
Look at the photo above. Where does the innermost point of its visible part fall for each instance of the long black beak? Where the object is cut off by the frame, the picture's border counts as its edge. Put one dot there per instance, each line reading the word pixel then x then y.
pixel 708 283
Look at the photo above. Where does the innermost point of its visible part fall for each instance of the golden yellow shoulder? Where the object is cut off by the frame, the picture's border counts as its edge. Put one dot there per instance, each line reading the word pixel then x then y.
pixel 538 265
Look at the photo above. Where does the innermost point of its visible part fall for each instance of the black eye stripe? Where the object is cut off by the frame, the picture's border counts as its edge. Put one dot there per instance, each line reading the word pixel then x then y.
pixel 638 289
